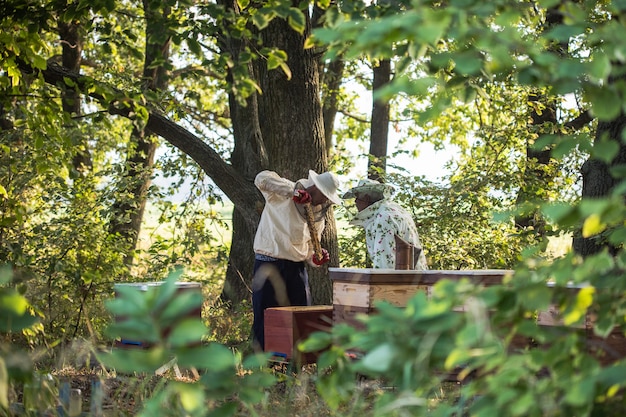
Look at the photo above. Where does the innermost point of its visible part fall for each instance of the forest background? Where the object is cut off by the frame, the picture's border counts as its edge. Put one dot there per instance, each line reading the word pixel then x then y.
pixel 93 92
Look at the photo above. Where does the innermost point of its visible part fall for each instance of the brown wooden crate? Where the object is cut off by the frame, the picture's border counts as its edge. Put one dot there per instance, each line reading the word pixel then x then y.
pixel 285 327
pixel 347 315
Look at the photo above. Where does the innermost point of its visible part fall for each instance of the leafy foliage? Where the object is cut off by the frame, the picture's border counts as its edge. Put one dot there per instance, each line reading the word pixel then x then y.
pixel 454 54
pixel 469 66
pixel 17 315
pixel 162 317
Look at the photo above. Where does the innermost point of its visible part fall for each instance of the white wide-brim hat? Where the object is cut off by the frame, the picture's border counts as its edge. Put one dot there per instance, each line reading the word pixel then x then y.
pixel 368 186
pixel 327 183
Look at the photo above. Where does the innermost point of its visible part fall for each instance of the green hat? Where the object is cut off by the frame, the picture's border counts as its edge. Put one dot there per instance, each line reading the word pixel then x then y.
pixel 368 186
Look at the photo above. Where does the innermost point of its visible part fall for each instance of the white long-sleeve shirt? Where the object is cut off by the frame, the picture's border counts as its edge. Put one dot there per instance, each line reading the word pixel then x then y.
pixel 283 232
pixel 382 221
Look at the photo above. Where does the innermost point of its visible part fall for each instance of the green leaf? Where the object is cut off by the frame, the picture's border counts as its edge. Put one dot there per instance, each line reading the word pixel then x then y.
pixel 535 297
pixel 260 20
pixel 162 294
pixel 593 225
pixel 11 301
pixel 618 236
pixel 130 299
pixel 605 103
pixel 605 150
pixel 604 325
pixel 69 82
pixel 329 358
pixel 191 396
pixel 467 63
pixel 214 357
pixel 546 4
pixel 276 58
pixel 379 359
pixel 580 392
pixel 600 65
pixel 187 332
pixel 544 142
pixel 557 212
pixel 225 410
pixel 194 46
pixel 564 147
pixel 184 303
pixel 4 385
pixel 137 330
pixel 584 299
pixel 296 20
pixel 135 360
pixel 564 32
pixel 315 342
pixel 618 171
pixel 10 322
pixel 432 27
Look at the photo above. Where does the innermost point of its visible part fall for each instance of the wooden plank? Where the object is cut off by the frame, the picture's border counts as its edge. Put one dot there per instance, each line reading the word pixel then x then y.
pixel 609 349
pixel 552 317
pixel 349 294
pixel 428 277
pixel 397 295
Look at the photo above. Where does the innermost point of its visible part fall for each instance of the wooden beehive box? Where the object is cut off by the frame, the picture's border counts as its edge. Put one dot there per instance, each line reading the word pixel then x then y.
pixel 607 350
pixel 285 327
pixel 356 291
pixel 145 286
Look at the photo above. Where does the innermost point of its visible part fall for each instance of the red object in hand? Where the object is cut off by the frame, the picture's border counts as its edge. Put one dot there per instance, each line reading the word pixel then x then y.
pixel 301 197
pixel 325 258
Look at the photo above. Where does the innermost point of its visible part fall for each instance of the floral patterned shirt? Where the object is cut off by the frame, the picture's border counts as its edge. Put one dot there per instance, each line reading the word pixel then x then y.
pixel 382 221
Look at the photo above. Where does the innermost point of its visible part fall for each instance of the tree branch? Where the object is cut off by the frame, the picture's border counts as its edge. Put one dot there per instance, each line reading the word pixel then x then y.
pixel 581 120
pixel 239 190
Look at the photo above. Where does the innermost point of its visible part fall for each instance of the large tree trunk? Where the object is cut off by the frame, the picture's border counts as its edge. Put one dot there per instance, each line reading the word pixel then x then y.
pixel 540 167
pixel 291 121
pixel 379 127
pixel 248 158
pixel 143 145
pixel 292 128
pixel 598 181
pixel 331 80
pixel 72 44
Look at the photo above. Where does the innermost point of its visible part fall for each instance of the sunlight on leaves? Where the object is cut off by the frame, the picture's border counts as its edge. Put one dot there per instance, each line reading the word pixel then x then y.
pixel 191 396
pixel 593 225
pixel 584 299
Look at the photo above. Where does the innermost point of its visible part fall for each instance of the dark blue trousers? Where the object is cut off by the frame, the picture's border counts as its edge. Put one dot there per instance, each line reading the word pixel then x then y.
pixel 276 284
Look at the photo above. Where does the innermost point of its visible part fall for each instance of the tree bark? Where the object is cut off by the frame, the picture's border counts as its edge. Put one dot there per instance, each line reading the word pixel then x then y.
pixel 331 81
pixel 71 58
pixel 540 169
pixel 293 129
pixel 291 126
pixel 379 130
pixel 598 182
pixel 142 146
pixel 248 158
